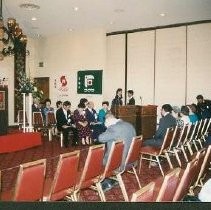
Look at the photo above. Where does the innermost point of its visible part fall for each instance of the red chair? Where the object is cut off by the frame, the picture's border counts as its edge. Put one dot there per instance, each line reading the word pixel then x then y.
pixel 133 157
pixel 64 180
pixel 92 171
pixel 50 124
pixel 145 194
pixel 204 168
pixel 29 184
pixel 168 187
pixel 148 152
pixel 112 168
pixel 186 180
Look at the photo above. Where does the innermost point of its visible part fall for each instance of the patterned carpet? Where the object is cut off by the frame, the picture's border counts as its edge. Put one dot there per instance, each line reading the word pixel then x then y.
pixel 10 162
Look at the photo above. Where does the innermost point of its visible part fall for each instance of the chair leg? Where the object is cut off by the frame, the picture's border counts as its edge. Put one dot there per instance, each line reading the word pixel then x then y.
pixel 122 186
pixel 49 134
pixel 100 192
pixel 169 160
pixel 61 139
pixel 136 175
pixel 140 162
pixel 189 148
pixel 158 161
pixel 184 153
pixel 177 157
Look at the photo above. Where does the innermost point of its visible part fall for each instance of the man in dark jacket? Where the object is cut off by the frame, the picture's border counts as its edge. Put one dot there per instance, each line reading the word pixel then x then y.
pixel 166 121
pixel 65 123
pixel 204 107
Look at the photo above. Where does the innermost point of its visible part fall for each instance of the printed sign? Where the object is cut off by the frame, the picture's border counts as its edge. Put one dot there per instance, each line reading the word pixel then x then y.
pixel 90 82
pixel 2 100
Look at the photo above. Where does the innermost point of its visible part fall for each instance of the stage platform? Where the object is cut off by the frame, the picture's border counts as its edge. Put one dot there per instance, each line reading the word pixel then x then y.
pixel 19 141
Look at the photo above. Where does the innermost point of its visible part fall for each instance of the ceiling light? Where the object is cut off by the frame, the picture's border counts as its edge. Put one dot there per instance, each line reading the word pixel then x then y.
pixel 70 29
pixel 76 8
pixel 162 14
pixel 29 6
pixel 34 18
pixel 119 10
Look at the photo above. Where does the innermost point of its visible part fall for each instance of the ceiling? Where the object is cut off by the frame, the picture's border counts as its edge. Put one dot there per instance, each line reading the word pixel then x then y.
pixel 60 16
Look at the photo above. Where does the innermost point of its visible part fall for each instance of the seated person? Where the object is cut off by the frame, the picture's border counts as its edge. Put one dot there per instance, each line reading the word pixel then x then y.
pixel 36 106
pixel 65 123
pixel 58 104
pixel 91 116
pixel 47 108
pixel 131 100
pixel 166 121
pixel 102 112
pixel 184 120
pixel 82 125
pixel 204 107
pixel 192 113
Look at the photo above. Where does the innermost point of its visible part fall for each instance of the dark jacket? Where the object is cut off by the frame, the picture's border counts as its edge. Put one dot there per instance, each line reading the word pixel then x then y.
pixel 131 101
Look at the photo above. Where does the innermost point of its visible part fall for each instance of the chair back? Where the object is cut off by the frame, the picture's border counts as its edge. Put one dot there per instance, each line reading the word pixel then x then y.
pixel 30 181
pixel 134 151
pixel 175 137
pixel 169 186
pixel 50 119
pixel 114 159
pixel 186 180
pixel 145 194
pixel 184 135
pixel 193 131
pixel 65 176
pixel 38 119
pixel 20 117
pixel 93 166
pixel 167 140
pixel 207 126
pixel 204 124
pixel 205 165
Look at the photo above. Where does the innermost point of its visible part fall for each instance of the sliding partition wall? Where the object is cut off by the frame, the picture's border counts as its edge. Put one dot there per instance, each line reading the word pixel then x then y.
pixel 165 65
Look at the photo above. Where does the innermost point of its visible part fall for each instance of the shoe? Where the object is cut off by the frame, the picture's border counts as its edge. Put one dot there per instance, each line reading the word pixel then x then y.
pixel 106 186
pixel 113 182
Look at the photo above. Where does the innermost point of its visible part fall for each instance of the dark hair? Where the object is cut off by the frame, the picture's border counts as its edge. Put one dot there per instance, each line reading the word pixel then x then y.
pixel 184 110
pixel 66 103
pixel 193 108
pixel 81 105
pixel 131 92
pixel 83 100
pixel 105 102
pixel 48 100
pixel 199 97
pixel 118 90
pixel 167 108
pixel 58 103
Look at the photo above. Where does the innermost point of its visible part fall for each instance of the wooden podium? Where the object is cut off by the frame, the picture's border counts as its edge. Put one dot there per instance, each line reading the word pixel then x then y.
pixel 144 118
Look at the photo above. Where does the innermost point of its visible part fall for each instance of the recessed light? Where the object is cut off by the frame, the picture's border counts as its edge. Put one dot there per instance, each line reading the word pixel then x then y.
pixel 119 10
pixel 162 14
pixel 29 6
pixel 111 22
pixel 70 29
pixel 76 8
pixel 34 18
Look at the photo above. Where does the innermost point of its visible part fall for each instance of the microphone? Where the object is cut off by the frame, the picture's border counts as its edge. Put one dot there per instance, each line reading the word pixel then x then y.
pixel 141 99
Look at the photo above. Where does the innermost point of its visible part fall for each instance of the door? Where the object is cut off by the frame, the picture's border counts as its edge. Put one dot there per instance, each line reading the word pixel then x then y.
pixel 43 84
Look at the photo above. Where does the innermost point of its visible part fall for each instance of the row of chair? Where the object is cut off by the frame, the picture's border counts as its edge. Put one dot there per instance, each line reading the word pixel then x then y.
pixel 176 184
pixel 31 184
pixel 176 140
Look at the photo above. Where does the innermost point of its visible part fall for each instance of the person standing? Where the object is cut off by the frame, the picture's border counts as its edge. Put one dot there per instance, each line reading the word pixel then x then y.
pixel 117 101
pixel 131 100
pixel 65 123
pixel 204 107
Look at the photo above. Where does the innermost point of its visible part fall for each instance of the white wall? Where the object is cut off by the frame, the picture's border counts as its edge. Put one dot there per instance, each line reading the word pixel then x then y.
pixel 69 53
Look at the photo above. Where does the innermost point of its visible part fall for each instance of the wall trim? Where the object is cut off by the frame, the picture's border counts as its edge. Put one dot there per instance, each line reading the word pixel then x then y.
pixel 157 27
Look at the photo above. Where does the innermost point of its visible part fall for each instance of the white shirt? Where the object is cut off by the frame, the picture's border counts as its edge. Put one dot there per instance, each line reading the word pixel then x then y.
pixel 205 193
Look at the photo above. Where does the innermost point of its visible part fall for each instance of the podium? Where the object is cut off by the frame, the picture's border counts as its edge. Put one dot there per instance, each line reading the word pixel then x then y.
pixel 143 118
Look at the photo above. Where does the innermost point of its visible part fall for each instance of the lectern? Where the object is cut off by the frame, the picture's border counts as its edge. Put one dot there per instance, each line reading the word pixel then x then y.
pixel 144 118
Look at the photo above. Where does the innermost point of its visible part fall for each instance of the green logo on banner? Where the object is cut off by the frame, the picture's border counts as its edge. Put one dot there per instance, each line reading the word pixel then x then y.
pixel 90 82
